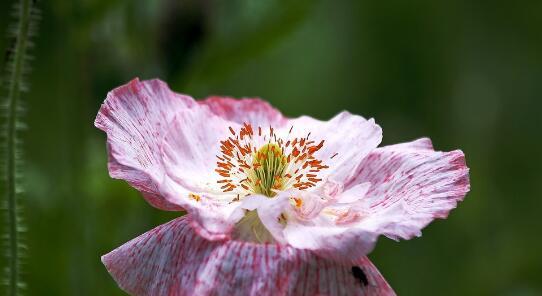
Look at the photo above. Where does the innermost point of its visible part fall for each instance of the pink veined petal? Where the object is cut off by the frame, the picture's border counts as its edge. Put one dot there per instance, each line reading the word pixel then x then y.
pixel 254 111
pixel 172 260
pixel 348 139
pixel 189 152
pixel 135 116
pixel 398 190
pixel 411 185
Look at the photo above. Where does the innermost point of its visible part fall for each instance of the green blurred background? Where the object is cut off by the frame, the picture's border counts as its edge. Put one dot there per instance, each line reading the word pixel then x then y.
pixel 468 74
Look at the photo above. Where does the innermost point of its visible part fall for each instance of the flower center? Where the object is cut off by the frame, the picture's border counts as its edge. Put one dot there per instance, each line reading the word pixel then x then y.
pixel 268 165
pixel 265 163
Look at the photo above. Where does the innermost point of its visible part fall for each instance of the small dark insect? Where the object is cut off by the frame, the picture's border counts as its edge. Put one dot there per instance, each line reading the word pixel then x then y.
pixel 360 275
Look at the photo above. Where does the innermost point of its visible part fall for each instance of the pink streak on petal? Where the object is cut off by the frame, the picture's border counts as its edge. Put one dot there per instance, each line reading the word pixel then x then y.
pixel 172 260
pixel 254 111
pixel 135 116
pixel 411 185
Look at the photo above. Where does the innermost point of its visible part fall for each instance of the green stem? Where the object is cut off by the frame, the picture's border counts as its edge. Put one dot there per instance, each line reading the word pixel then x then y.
pixel 12 103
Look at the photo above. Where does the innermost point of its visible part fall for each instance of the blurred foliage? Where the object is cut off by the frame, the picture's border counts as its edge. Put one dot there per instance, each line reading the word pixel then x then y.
pixel 465 73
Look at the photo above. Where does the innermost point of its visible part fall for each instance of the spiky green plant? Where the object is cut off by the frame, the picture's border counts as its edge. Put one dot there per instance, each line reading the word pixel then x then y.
pixel 20 33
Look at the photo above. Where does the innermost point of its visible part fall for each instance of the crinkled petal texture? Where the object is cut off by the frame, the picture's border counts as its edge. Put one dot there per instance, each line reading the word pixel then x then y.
pixel 173 260
pixel 135 117
pixel 396 191
pixel 253 111
pixel 411 185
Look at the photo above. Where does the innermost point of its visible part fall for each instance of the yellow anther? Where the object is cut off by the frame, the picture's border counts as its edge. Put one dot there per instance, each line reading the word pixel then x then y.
pixel 194 196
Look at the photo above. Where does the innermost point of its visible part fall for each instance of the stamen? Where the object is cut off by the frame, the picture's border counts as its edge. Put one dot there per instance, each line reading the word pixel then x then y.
pixel 298 202
pixel 246 169
pixel 194 196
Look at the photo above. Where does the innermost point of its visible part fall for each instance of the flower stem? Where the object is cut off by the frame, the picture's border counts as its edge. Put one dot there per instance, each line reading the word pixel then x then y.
pixel 15 68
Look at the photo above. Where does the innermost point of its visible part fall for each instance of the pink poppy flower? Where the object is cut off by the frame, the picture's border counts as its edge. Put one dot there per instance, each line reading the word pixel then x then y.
pixel 276 206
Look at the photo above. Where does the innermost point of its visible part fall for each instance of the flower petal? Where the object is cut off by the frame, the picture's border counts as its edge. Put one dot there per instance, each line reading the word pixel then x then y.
pixel 348 139
pixel 288 224
pixel 354 193
pixel 411 184
pixel 189 151
pixel 397 191
pixel 340 244
pixel 254 111
pixel 172 260
pixel 190 146
pixel 135 117
pixel 269 211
